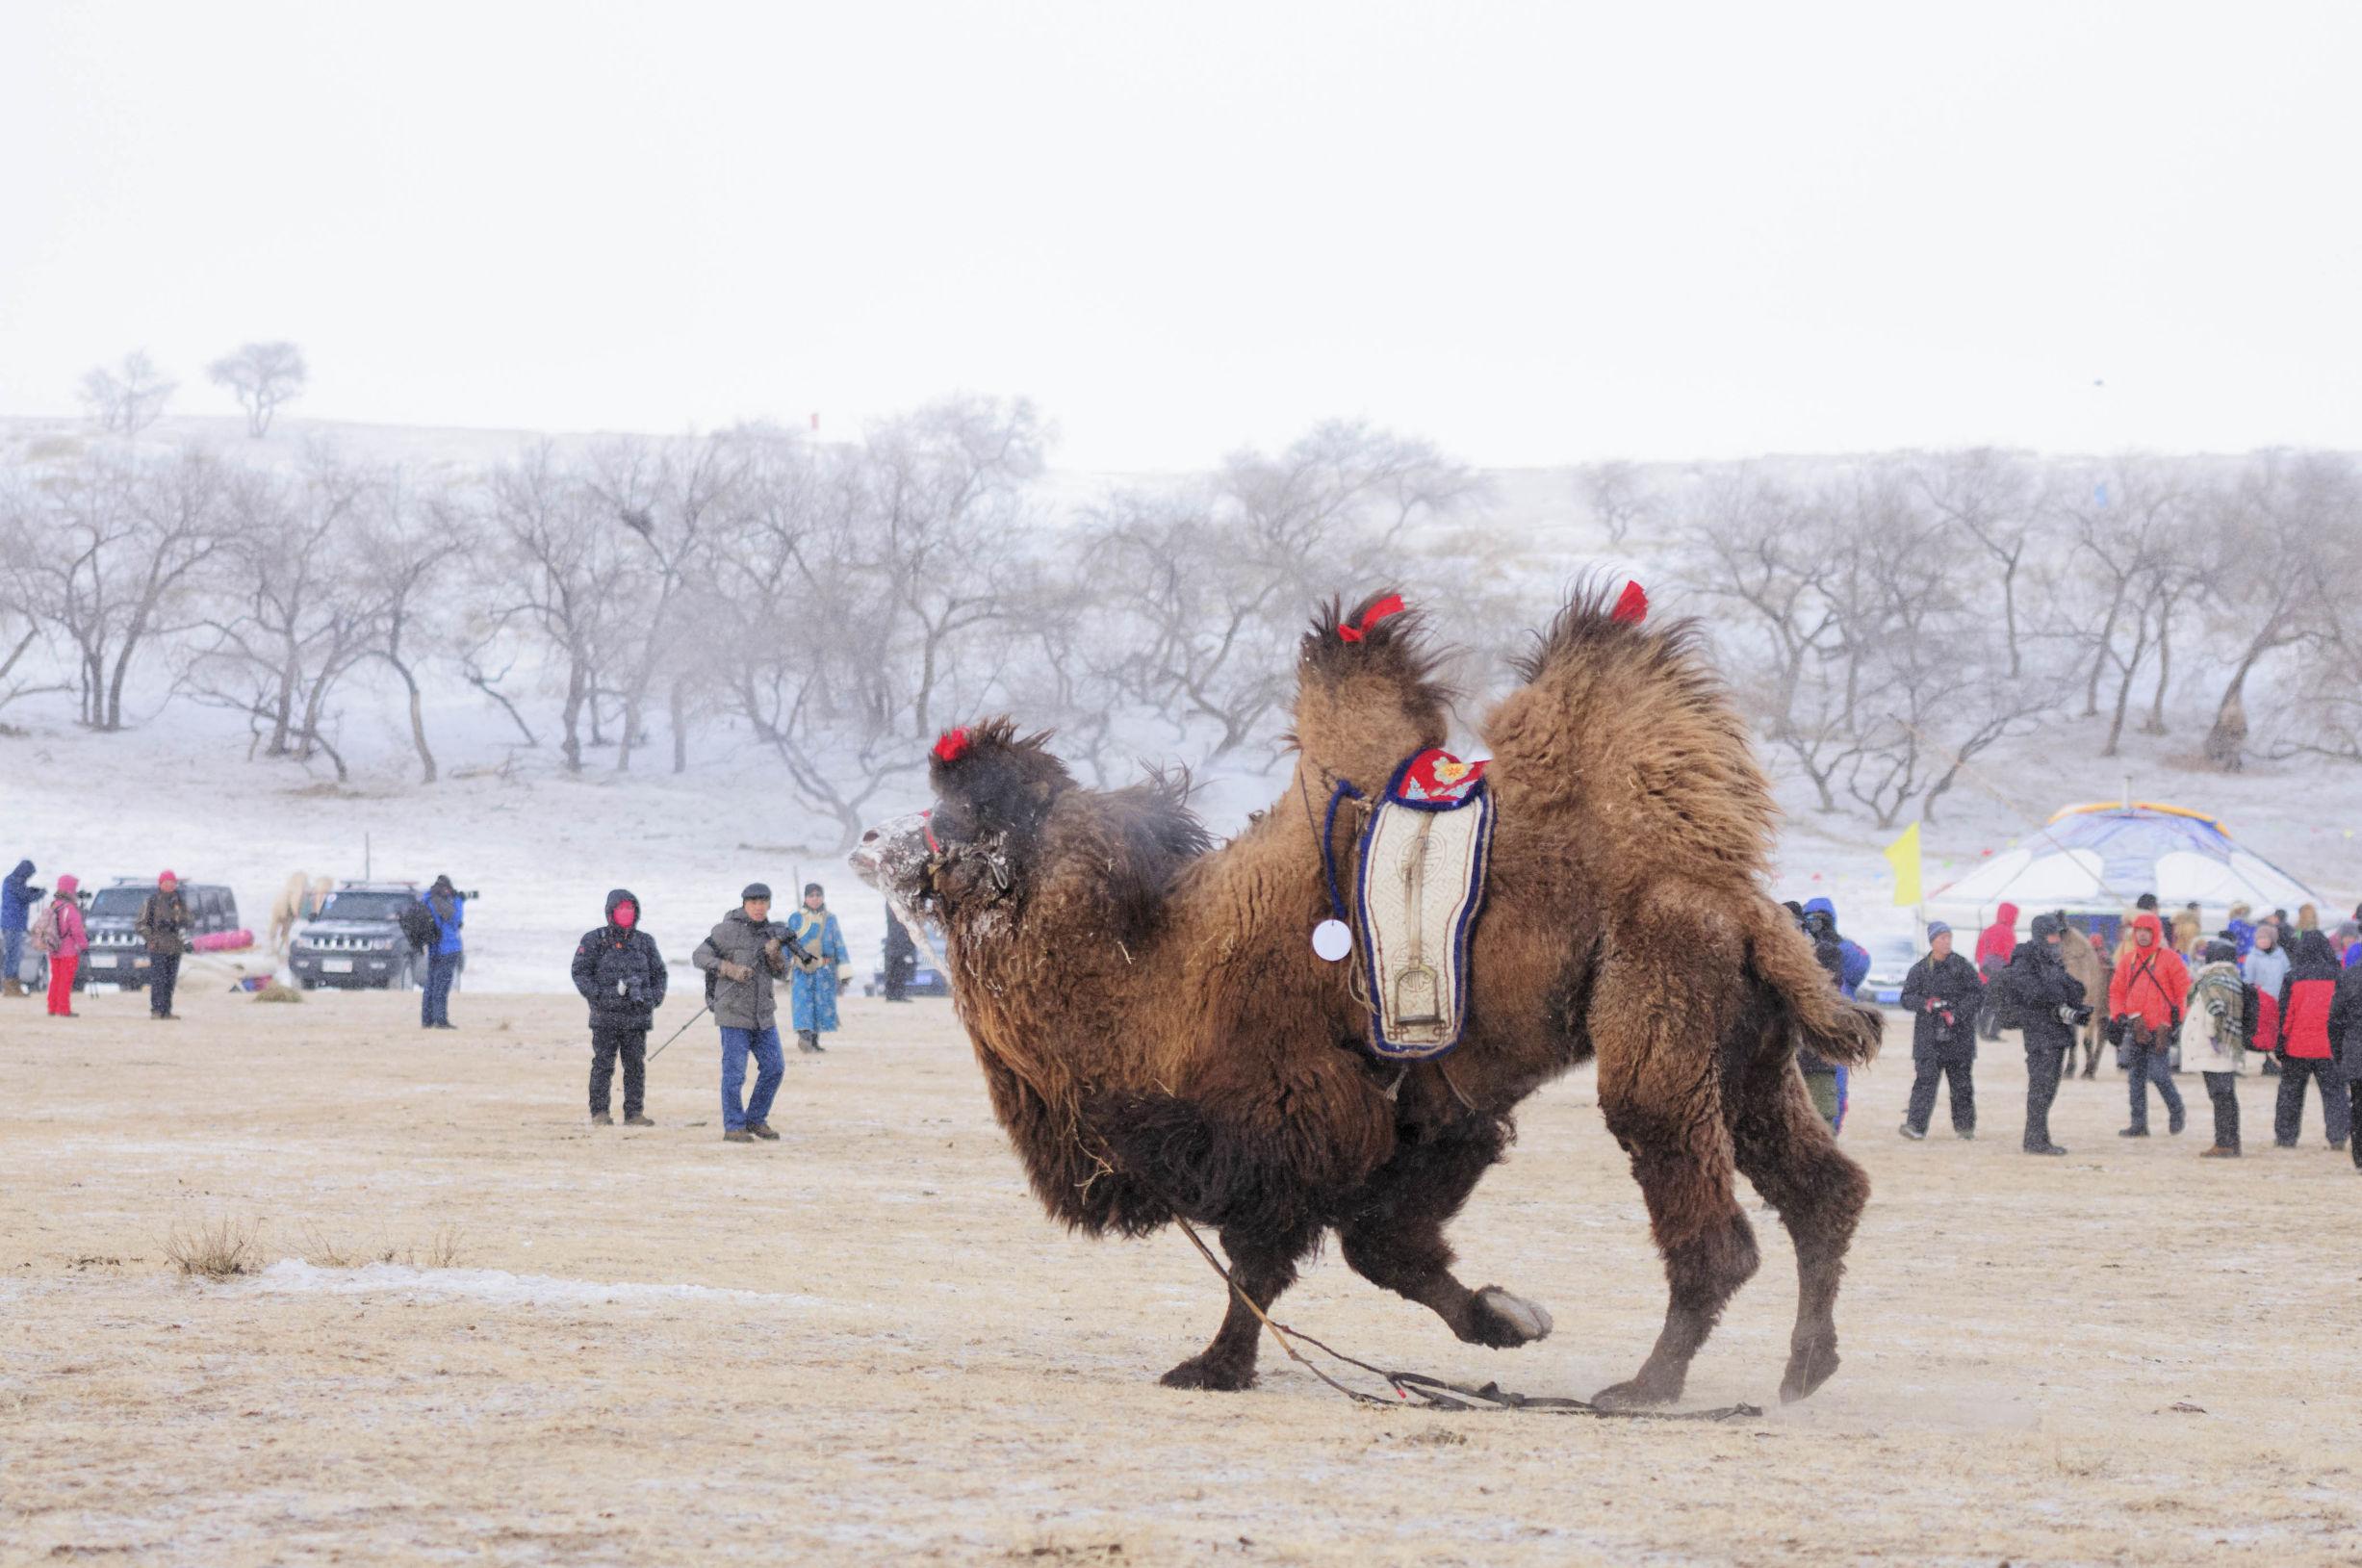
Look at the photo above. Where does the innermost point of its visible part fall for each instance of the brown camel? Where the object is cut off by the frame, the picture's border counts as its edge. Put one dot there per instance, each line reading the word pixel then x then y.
pixel 1159 1040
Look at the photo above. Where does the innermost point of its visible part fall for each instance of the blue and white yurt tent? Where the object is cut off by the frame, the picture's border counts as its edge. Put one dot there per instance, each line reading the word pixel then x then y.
pixel 2094 860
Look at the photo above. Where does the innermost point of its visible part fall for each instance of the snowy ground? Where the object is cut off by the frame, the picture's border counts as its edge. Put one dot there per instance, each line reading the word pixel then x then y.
pixel 864 1343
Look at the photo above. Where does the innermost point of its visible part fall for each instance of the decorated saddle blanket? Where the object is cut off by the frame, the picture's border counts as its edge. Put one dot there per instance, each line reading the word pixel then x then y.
pixel 1422 886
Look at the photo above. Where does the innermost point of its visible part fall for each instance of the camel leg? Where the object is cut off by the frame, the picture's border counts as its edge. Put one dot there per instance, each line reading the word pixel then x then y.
pixel 1262 1267
pixel 1396 1236
pixel 1792 1159
pixel 1657 1028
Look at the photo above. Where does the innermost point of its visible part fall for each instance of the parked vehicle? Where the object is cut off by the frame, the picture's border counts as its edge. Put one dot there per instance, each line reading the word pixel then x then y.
pixel 355 942
pixel 118 953
pixel 1891 955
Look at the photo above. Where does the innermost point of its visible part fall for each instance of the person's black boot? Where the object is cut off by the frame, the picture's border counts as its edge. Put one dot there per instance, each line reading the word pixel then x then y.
pixel 807 1040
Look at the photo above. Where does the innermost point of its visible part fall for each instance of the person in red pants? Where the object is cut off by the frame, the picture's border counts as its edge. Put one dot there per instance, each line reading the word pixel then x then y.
pixel 72 940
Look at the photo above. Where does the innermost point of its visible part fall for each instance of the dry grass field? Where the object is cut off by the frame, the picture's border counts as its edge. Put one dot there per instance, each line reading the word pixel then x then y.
pixel 468 1326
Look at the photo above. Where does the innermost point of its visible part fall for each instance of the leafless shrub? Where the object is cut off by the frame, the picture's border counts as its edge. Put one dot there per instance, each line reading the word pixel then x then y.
pixel 217 1248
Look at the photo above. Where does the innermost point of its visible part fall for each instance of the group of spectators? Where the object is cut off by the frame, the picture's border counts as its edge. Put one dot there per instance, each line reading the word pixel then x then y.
pixel 55 929
pixel 2280 991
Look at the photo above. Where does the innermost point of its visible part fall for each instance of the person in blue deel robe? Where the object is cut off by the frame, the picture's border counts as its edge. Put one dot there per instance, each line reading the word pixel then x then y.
pixel 816 974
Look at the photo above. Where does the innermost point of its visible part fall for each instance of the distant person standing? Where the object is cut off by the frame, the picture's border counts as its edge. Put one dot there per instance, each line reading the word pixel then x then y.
pixel 619 971
pixel 2266 968
pixel 2307 1055
pixel 2040 995
pixel 443 902
pixel 901 958
pixel 1994 945
pixel 164 922
pixel 816 980
pixel 2215 1040
pixel 2346 1035
pixel 18 898
pixel 1942 994
pixel 742 955
pixel 2145 1005
pixel 64 937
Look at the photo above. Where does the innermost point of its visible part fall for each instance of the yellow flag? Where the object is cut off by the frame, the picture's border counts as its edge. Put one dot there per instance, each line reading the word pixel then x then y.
pixel 1903 855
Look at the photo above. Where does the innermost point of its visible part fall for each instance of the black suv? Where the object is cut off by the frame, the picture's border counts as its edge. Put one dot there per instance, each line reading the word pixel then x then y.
pixel 118 953
pixel 356 942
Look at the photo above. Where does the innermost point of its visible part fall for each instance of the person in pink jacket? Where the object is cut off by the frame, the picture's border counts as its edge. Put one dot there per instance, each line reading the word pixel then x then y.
pixel 72 941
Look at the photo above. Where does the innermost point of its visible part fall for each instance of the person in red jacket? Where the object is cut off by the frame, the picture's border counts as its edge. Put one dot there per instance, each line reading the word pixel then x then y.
pixel 1994 945
pixel 2305 1050
pixel 2144 1007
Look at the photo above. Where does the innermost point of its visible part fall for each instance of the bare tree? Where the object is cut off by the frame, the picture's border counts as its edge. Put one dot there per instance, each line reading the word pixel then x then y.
pixel 2133 530
pixel 406 543
pixel 1991 498
pixel 1617 496
pixel 2287 532
pixel 564 558
pixel 264 375
pixel 122 539
pixel 129 397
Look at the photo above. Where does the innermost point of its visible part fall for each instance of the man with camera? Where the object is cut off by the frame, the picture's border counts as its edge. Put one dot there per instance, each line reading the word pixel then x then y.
pixel 619 971
pixel 2144 1010
pixel 2037 994
pixel 1942 994
pixel 741 957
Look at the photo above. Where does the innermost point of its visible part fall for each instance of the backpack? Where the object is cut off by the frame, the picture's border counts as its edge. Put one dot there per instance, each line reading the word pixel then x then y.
pixel 46 934
pixel 419 927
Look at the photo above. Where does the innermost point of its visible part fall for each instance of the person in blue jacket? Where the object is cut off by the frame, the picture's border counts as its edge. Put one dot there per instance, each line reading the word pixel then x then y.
pixel 815 984
pixel 1851 968
pixel 451 912
pixel 18 898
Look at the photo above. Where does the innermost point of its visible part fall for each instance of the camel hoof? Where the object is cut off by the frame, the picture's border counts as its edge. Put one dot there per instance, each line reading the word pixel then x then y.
pixel 1203 1371
pixel 1636 1393
pixel 1809 1366
pixel 1505 1321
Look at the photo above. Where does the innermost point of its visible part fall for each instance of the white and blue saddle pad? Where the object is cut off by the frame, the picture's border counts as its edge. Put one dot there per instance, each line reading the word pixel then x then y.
pixel 1421 888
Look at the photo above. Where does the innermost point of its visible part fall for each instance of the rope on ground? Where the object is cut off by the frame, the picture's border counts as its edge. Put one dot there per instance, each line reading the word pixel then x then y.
pixel 1419 1391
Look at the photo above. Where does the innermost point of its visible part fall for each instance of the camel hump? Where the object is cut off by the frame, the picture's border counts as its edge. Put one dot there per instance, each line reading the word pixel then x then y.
pixel 1367 691
pixel 1626 734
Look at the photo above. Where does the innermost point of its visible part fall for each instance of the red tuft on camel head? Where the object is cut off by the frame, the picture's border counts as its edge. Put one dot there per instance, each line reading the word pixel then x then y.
pixel 1391 604
pixel 1632 605
pixel 951 745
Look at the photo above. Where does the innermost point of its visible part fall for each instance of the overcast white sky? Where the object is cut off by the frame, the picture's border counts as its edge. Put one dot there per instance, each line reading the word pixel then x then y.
pixel 1536 234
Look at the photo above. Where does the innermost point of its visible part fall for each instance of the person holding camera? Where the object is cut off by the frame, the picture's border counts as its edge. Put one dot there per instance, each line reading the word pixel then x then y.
pixel 1942 994
pixel 449 908
pixel 619 971
pixel 2145 1009
pixel 2038 993
pixel 821 961
pixel 741 957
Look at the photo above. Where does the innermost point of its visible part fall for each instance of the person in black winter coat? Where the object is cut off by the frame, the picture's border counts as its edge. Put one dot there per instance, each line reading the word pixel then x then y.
pixel 2046 1004
pixel 1942 994
pixel 619 971
pixel 901 958
pixel 2346 1037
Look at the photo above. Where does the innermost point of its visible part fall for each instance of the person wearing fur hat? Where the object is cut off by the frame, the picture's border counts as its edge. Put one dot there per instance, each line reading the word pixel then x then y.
pixel 817 978
pixel 2145 1008
pixel 2038 996
pixel 2214 1040
pixel 1942 994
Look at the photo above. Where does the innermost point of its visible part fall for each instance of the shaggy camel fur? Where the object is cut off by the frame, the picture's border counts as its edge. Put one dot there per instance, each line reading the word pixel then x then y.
pixel 1158 1039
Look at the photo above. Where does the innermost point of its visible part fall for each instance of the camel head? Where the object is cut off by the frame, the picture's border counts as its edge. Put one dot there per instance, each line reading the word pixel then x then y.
pixel 1008 817
pixel 994 795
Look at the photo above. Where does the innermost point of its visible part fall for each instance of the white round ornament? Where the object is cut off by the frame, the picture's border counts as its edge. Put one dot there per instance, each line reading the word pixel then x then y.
pixel 1331 941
